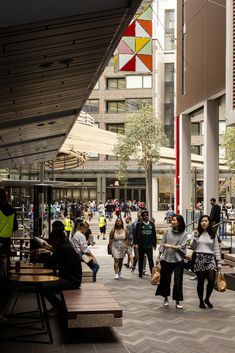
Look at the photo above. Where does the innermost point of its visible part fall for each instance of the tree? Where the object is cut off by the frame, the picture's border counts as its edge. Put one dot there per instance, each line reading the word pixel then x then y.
pixel 229 146
pixel 143 136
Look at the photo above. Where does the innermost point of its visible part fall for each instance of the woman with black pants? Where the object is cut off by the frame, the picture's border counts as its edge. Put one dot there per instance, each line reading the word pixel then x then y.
pixel 171 252
pixel 207 259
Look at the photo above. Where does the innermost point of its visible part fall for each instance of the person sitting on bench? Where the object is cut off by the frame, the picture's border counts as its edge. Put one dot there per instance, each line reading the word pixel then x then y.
pixel 66 260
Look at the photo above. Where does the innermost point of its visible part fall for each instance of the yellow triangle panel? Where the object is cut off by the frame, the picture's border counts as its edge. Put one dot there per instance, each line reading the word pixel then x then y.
pixel 140 43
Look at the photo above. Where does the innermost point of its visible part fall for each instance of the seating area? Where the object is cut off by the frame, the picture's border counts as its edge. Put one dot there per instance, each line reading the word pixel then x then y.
pixel 92 306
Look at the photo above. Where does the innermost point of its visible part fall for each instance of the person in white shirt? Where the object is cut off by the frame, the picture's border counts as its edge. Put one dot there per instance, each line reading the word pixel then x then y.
pixel 81 246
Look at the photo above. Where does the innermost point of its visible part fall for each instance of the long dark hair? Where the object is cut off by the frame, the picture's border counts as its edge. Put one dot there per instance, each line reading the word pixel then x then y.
pixel 209 230
pixel 181 222
pixel 115 225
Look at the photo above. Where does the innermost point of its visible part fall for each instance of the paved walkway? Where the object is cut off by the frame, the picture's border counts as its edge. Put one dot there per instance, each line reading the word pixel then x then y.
pixel 147 326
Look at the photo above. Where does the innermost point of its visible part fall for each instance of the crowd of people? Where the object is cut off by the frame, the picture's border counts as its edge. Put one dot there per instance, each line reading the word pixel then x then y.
pixel 71 241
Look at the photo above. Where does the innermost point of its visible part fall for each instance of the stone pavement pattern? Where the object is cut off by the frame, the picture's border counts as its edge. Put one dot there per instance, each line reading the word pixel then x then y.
pixel 147 326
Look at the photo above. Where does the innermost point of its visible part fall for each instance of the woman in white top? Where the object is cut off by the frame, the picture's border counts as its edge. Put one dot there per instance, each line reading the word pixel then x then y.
pixel 207 259
pixel 118 241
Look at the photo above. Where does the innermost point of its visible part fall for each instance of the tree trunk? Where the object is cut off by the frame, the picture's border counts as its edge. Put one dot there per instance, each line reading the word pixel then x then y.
pixel 149 190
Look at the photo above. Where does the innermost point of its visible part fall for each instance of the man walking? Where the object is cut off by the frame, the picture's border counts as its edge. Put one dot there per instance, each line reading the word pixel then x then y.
pixel 145 240
pixel 215 213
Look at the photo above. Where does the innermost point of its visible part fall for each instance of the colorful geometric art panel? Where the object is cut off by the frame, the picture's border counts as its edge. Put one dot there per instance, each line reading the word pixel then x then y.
pixel 134 52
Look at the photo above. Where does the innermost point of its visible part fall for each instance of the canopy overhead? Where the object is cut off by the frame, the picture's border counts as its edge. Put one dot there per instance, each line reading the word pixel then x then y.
pixel 52 53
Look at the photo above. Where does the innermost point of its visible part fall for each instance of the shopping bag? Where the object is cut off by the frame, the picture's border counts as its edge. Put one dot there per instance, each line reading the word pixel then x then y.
pixel 87 258
pixel 155 278
pixel 220 283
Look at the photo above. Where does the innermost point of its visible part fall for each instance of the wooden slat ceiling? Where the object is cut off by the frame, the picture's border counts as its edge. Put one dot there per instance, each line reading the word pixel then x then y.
pixel 48 69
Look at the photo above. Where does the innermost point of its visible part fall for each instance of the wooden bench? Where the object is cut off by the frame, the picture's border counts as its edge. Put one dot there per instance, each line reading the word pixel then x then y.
pixel 87 274
pixel 92 306
pixel 229 259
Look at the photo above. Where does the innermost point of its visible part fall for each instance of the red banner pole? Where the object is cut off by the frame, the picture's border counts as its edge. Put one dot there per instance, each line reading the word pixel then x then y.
pixel 177 164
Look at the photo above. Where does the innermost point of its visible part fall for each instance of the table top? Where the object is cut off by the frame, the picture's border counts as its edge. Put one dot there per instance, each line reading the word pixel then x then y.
pixel 21 238
pixel 24 264
pixel 33 271
pixel 34 279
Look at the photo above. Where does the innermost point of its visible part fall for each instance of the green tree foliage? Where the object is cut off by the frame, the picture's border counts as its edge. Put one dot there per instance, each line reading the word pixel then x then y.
pixel 143 136
pixel 229 145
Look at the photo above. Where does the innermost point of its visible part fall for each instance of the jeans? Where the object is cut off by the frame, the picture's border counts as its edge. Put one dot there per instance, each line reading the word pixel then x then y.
pixel 149 253
pixel 94 266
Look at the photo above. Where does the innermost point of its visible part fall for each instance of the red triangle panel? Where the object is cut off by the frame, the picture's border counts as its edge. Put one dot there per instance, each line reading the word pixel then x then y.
pixel 130 66
pixel 147 25
pixel 130 31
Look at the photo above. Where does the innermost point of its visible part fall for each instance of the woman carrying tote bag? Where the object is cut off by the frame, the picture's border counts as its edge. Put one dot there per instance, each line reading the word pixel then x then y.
pixel 207 259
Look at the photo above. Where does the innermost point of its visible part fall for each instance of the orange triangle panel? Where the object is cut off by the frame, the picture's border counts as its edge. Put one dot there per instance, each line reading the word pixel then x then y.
pixel 130 66
pixel 147 25
pixel 130 31
pixel 147 60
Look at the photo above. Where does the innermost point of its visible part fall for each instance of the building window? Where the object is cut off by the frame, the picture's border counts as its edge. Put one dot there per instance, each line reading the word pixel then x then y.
pixel 169 29
pixel 169 72
pixel 196 149
pixel 134 104
pixel 138 81
pixel 195 129
pixel 93 156
pixel 222 127
pixel 115 106
pixel 116 83
pixel 117 128
pixel 91 106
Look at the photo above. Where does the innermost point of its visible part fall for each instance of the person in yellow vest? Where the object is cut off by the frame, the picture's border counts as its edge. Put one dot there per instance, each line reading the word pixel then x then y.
pixel 8 225
pixel 102 226
pixel 68 226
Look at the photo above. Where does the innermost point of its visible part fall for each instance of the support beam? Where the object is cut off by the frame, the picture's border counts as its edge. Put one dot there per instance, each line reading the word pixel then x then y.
pixel 155 188
pixel 185 164
pixel 211 153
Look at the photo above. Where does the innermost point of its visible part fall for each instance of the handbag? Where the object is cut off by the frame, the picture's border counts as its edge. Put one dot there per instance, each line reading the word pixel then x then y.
pixel 220 283
pixel 87 258
pixel 155 277
pixel 109 249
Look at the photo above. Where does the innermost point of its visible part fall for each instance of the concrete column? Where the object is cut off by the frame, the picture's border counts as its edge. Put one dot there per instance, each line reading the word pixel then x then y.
pixel 98 187
pixel 103 181
pixel 155 188
pixel 211 153
pixel 185 164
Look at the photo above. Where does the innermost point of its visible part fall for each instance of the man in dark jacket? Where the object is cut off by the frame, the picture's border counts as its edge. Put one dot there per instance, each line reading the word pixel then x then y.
pixel 215 213
pixel 66 260
pixel 145 241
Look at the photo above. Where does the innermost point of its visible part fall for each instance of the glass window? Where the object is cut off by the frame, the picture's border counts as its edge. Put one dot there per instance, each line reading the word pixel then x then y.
pixel 169 72
pixel 91 106
pixel 138 81
pixel 133 105
pixel 116 83
pixel 115 106
pixel 93 156
pixel 134 81
pixel 147 81
pixel 117 128
pixel 221 152
pixel 222 127
pixel 196 149
pixel 195 129
pixel 169 29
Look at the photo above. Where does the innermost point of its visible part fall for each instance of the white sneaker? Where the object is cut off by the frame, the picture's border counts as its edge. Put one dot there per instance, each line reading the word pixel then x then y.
pixel 116 276
pixel 179 306
pixel 165 303
pixel 120 275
